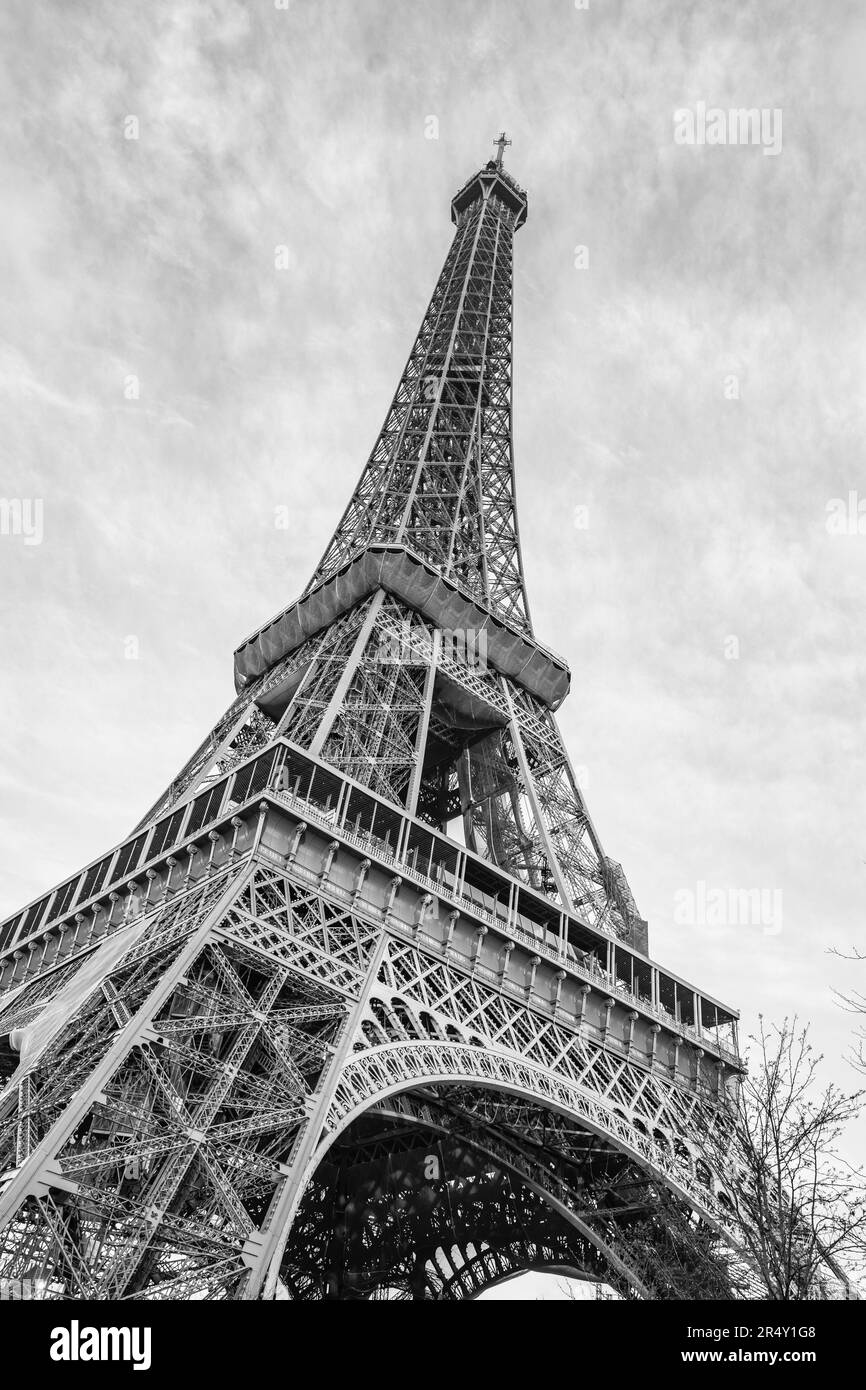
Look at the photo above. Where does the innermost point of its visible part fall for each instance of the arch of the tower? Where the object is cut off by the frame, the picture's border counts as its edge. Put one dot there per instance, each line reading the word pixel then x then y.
pixel 410 1210
pixel 447 1168
pixel 419 1210
pixel 489 1268
pixel 376 1074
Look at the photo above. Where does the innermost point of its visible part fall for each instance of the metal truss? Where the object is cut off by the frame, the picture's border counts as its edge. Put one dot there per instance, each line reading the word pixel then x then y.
pixel 384 1071
pixel 162 1127
pixel 651 1245
pixel 444 1002
pixel 367 682
pixel 241 730
pixel 231 1068
pixel 424 1197
pixel 440 478
pixel 441 1240
pixel 484 1269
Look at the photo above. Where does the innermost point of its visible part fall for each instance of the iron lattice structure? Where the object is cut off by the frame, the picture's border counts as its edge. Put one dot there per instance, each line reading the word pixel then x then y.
pixel 361 1008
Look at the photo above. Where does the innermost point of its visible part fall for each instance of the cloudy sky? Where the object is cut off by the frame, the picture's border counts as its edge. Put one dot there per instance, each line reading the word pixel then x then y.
pixel 693 378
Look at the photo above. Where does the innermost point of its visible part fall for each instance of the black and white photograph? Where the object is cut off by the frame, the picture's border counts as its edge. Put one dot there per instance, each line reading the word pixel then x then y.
pixel 432 578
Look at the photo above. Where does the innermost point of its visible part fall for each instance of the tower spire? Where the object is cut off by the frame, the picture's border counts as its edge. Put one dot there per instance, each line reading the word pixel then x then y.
pixel 500 143
pixel 440 478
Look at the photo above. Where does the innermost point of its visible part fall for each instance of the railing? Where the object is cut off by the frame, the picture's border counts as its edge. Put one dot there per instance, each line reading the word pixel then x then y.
pixel 223 805
pixel 369 844
pixel 583 968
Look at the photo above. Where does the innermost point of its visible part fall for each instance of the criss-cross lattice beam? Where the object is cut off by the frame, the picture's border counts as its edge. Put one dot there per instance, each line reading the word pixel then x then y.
pixel 440 478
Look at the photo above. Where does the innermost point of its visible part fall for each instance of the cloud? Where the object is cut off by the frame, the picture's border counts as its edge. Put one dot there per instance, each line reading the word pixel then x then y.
pixel 154 257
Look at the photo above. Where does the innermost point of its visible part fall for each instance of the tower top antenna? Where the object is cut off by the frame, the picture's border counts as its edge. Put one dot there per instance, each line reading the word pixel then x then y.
pixel 500 143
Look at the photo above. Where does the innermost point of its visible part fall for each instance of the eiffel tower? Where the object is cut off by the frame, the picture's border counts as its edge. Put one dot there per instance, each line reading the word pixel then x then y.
pixel 362 1009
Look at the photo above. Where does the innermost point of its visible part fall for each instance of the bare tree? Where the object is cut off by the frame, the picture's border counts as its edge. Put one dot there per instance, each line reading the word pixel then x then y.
pixel 855 1004
pixel 799 1208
